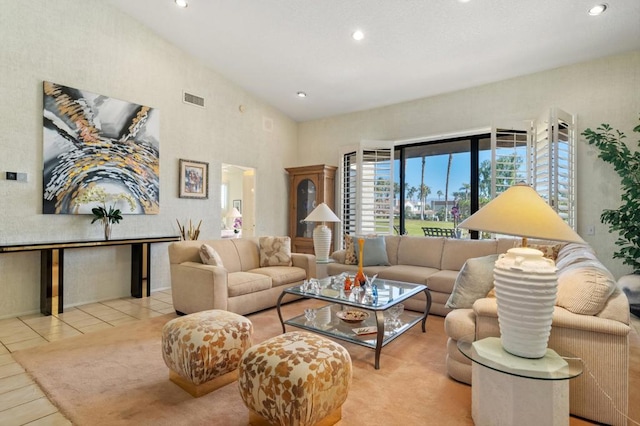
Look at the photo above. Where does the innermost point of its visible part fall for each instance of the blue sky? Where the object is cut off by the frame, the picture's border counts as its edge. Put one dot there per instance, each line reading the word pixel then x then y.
pixel 435 174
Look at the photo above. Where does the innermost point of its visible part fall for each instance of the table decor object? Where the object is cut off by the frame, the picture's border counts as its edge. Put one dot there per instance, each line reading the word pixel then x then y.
pixel 352 316
pixel 107 211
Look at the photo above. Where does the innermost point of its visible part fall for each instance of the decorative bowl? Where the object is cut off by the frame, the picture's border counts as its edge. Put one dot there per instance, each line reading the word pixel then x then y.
pixel 352 316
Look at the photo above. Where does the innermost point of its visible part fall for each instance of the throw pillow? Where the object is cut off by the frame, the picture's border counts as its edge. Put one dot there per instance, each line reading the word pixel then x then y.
pixel 550 251
pixel 585 288
pixel 350 249
pixel 210 256
pixel 275 251
pixel 375 252
pixel 474 282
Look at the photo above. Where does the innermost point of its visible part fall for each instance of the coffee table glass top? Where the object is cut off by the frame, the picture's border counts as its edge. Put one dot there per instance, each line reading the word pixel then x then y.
pixel 389 293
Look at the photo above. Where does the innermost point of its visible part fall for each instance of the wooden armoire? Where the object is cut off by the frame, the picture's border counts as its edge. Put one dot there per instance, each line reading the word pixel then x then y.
pixel 308 187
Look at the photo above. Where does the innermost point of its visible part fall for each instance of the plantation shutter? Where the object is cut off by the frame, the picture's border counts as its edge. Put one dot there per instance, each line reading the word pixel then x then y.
pixel 366 182
pixel 510 159
pixel 554 166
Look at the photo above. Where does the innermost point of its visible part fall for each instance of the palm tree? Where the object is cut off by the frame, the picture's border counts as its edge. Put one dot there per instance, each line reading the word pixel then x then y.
pixel 424 192
pixel 466 188
pixel 446 189
pixel 421 194
pixel 439 194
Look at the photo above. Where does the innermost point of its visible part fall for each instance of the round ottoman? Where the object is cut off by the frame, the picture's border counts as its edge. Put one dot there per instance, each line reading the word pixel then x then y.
pixel 203 350
pixel 296 378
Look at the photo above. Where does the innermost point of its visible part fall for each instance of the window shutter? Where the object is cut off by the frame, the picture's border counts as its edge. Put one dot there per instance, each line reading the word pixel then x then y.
pixel 510 159
pixel 554 166
pixel 366 182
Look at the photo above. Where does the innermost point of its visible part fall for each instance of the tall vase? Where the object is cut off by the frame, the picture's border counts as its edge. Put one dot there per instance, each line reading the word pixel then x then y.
pixel 360 279
pixel 107 228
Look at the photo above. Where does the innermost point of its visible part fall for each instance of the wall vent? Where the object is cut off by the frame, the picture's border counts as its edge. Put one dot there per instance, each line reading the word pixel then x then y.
pixel 188 98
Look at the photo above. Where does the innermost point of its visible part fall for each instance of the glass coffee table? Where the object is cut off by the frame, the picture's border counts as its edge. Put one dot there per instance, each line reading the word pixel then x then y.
pixel 353 306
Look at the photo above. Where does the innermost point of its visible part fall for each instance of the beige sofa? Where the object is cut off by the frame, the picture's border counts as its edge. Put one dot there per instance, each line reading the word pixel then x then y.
pixel 240 285
pixel 434 261
pixel 600 340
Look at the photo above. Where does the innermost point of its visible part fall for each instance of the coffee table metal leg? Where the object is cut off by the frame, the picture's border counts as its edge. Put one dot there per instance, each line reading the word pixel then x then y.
pixel 427 309
pixel 379 337
pixel 278 309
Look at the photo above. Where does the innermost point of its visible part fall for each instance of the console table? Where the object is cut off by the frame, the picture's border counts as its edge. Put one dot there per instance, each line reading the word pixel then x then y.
pixel 52 265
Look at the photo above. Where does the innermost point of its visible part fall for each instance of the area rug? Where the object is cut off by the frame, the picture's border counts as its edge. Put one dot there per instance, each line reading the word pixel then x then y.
pixel 118 377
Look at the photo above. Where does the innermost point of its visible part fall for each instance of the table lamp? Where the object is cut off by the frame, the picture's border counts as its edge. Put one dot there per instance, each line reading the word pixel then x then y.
pixel 526 283
pixel 322 234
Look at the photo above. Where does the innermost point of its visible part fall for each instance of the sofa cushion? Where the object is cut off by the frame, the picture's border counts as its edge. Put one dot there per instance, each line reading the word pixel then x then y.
pixel 550 251
pixel 407 273
pixel 240 283
pixel 442 281
pixel 282 275
pixel 474 282
pixel 420 251
pixel 375 252
pixel 275 251
pixel 456 252
pixel 210 256
pixel 584 288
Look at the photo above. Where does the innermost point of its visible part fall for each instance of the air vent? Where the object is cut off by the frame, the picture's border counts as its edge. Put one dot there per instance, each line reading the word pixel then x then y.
pixel 188 98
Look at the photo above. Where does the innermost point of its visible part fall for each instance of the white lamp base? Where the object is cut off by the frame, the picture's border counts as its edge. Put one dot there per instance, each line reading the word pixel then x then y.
pixel 526 288
pixel 322 242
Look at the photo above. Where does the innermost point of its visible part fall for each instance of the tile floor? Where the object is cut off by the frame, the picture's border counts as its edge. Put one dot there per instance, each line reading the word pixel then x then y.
pixel 21 400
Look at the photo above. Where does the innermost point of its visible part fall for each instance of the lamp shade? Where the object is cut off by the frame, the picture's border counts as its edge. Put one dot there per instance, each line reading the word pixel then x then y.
pixel 521 212
pixel 322 213
pixel 234 213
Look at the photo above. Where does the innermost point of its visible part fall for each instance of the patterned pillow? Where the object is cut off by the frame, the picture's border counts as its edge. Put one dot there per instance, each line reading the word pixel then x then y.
pixel 210 256
pixel 350 248
pixel 550 251
pixel 275 251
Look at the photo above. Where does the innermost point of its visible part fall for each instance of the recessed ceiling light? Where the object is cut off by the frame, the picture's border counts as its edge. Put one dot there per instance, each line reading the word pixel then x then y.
pixel 302 94
pixel 464 1
pixel 598 9
pixel 182 3
pixel 357 35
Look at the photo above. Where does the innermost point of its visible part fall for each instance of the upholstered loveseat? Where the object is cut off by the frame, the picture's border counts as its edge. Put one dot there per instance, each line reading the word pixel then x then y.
pixel 590 321
pixel 238 278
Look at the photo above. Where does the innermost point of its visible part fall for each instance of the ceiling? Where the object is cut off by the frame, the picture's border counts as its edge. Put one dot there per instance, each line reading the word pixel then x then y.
pixel 412 48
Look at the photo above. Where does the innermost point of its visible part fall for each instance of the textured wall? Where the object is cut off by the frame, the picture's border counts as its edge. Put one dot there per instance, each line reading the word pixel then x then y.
pixel 603 91
pixel 89 45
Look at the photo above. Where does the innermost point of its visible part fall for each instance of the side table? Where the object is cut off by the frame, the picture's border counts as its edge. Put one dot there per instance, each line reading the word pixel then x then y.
pixel 321 268
pixel 507 389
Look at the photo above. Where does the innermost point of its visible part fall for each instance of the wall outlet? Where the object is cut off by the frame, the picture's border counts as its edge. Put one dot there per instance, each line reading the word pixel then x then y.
pixel 22 177
pixel 591 230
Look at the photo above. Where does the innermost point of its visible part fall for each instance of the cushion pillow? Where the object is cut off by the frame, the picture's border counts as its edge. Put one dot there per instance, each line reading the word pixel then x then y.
pixel 584 288
pixel 375 252
pixel 350 249
pixel 474 281
pixel 550 251
pixel 275 251
pixel 210 256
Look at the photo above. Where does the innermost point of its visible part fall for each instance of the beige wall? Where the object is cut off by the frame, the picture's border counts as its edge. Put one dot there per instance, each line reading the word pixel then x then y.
pixel 89 45
pixel 606 90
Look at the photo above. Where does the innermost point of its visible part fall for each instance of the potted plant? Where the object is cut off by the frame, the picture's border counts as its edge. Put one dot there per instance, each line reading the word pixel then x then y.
pixel 107 214
pixel 625 220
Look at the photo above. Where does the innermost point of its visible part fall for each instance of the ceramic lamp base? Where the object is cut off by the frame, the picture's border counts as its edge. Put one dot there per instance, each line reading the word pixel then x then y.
pixel 526 289
pixel 322 242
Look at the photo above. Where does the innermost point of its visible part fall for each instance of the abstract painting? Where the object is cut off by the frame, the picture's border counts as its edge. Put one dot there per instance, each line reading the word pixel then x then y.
pixel 93 140
pixel 194 179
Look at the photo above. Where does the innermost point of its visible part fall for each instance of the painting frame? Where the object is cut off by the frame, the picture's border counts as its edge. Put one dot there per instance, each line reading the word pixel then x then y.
pixel 237 204
pixel 194 179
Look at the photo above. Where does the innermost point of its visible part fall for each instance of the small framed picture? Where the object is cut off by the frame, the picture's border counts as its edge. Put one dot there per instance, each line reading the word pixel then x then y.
pixel 237 204
pixel 194 179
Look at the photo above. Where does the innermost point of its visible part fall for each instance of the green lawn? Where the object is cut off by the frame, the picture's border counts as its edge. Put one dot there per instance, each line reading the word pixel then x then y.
pixel 414 226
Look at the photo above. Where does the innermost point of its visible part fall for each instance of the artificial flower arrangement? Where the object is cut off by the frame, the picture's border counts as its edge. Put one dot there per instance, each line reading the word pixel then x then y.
pixel 105 213
pixel 237 225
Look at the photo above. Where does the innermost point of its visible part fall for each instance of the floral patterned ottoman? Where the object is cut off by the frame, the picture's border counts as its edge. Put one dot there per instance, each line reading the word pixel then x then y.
pixel 203 350
pixel 296 378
